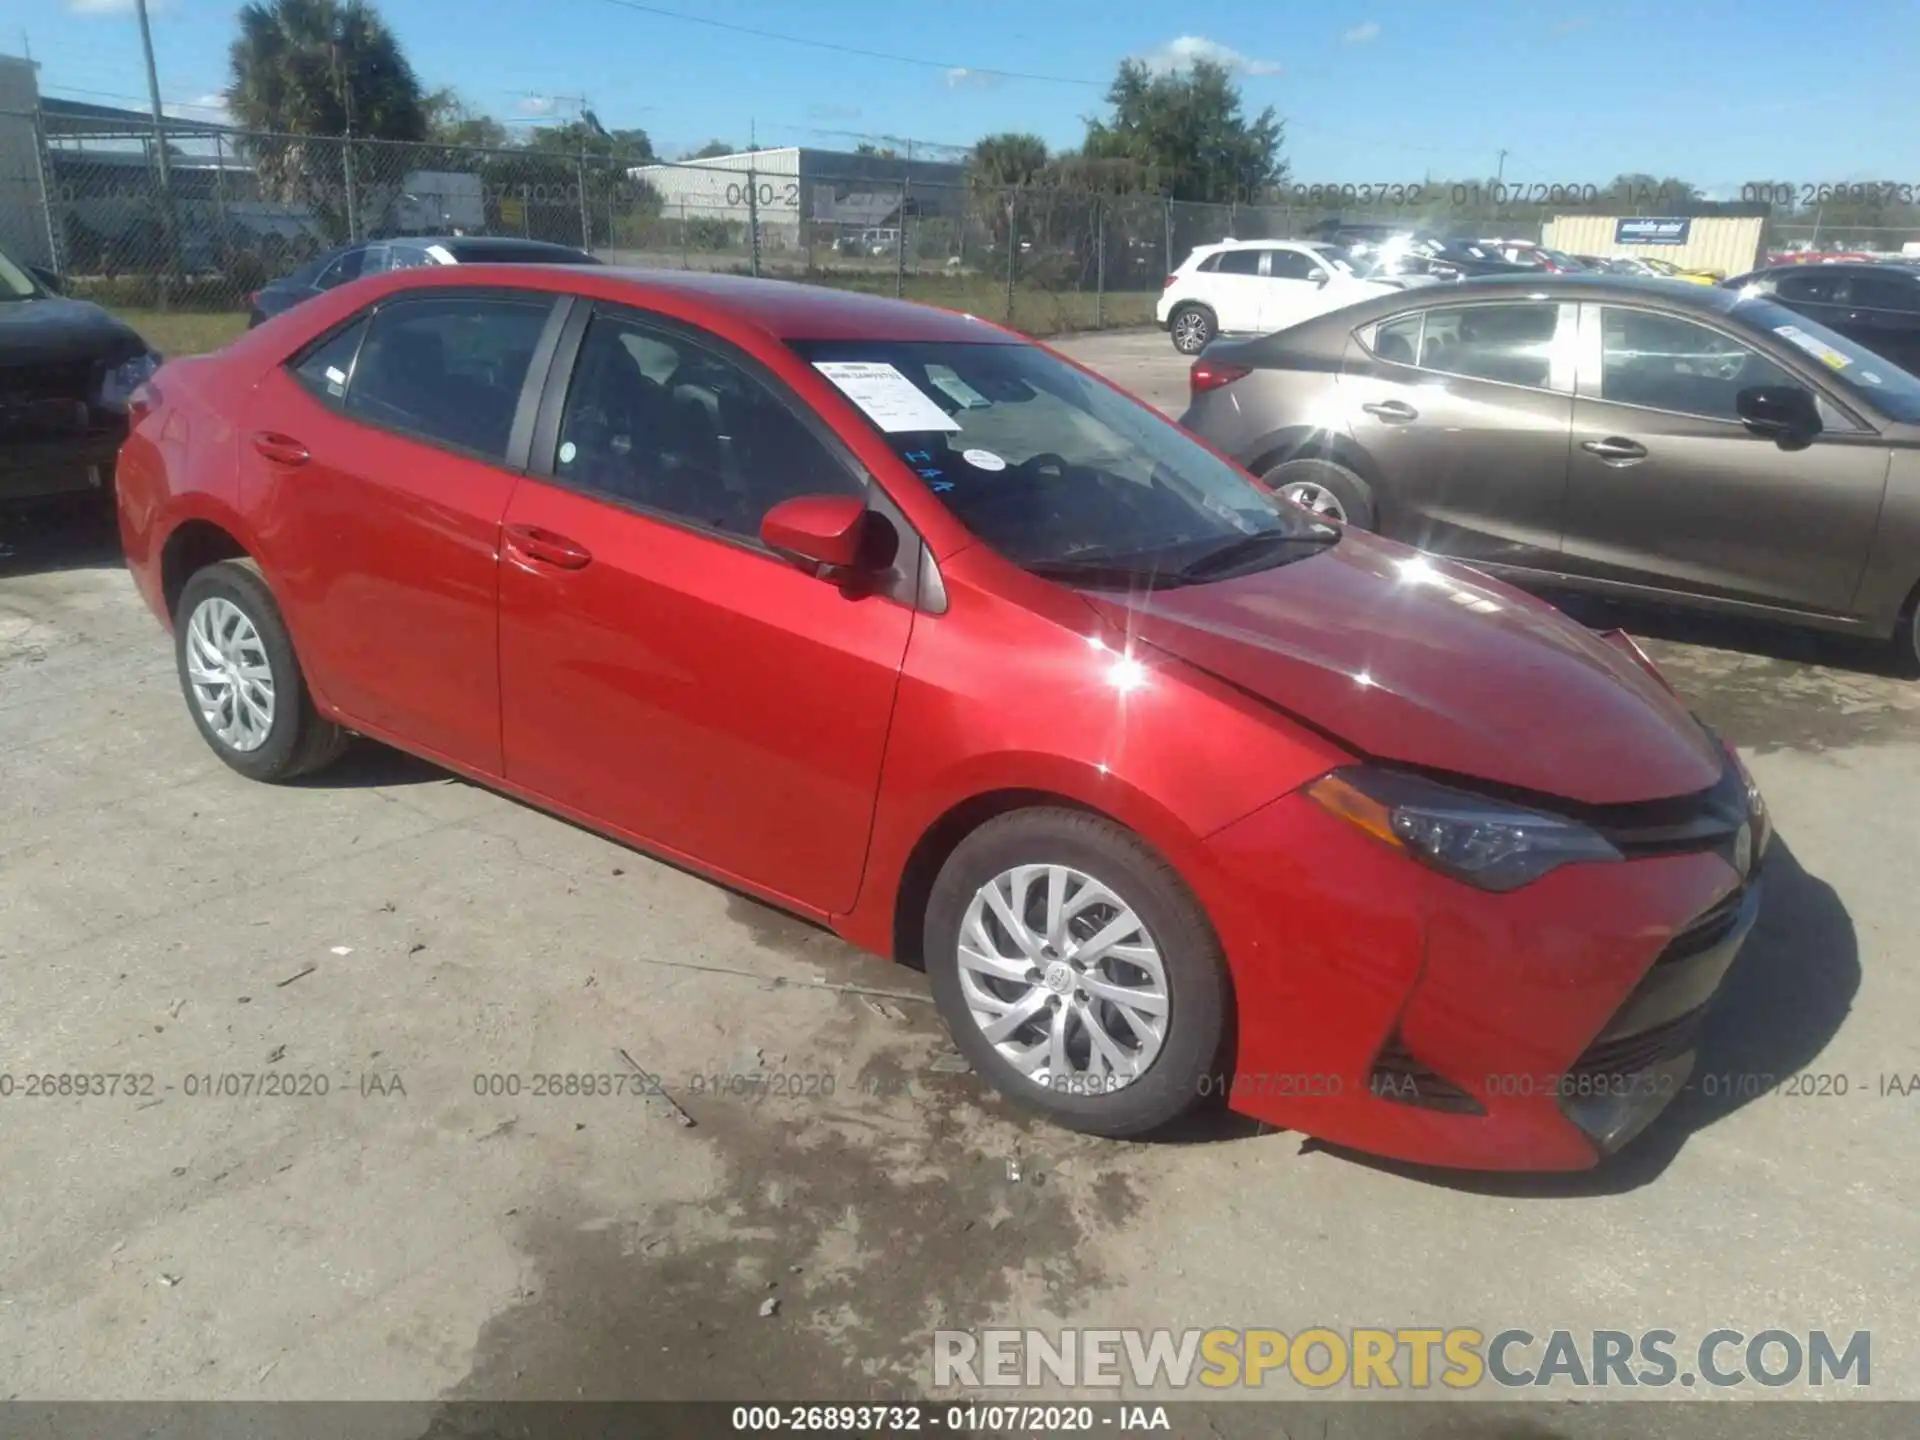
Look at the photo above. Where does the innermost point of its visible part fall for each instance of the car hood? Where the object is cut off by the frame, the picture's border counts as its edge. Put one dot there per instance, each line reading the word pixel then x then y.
pixel 59 331
pixel 1406 658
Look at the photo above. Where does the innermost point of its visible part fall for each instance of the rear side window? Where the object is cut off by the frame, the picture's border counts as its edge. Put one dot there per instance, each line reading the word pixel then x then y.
pixel 327 370
pixel 448 370
pixel 1398 341
pixel 1811 287
pixel 1507 342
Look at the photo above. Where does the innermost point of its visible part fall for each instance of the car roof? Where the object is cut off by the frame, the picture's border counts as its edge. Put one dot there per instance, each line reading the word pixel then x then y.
pixel 1255 245
pixel 779 308
pixel 1543 285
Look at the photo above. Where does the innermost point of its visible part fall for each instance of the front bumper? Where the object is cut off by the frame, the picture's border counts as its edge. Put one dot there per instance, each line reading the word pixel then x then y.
pixel 1385 1007
pixel 33 468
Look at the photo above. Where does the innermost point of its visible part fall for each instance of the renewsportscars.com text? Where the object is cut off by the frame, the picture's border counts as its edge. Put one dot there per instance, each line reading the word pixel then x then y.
pixel 1401 1358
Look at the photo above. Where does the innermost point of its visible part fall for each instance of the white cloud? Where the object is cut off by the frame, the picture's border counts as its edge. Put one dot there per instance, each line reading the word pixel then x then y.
pixel 961 78
pixel 212 108
pixel 1181 53
pixel 1362 33
pixel 537 105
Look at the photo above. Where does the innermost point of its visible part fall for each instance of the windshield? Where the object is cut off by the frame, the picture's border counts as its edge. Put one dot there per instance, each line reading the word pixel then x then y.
pixel 15 283
pixel 1059 472
pixel 1858 371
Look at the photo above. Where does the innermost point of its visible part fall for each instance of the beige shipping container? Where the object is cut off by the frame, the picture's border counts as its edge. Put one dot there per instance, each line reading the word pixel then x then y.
pixel 1729 244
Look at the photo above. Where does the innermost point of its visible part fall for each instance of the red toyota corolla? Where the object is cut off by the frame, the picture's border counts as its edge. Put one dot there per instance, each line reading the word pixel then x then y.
pixel 910 626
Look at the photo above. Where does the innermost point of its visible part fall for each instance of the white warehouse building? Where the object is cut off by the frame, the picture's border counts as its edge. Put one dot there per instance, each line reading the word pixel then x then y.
pixel 794 184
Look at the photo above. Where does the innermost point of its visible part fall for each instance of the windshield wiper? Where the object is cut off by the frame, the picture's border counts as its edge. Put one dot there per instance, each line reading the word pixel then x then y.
pixel 1099 573
pixel 1245 547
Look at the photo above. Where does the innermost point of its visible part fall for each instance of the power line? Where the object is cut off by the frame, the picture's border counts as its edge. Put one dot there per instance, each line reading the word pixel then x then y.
pixel 811 44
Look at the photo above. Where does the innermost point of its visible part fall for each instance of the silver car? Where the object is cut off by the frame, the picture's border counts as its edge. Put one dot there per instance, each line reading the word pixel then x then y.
pixel 1645 439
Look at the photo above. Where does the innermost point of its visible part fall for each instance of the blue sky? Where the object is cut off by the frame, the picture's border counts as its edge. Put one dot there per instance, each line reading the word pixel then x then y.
pixel 1373 90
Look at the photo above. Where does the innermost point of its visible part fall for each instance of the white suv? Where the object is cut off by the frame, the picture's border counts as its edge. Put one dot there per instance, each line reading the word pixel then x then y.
pixel 1253 287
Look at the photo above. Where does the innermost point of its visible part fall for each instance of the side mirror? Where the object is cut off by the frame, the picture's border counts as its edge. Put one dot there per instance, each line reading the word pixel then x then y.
pixel 1785 414
pixel 47 278
pixel 1320 278
pixel 831 536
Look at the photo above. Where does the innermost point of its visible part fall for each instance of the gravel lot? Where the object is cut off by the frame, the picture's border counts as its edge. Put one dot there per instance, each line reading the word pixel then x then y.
pixel 406 938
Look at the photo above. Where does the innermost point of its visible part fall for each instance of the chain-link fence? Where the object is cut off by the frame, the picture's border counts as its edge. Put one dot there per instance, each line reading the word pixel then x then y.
pixel 201 223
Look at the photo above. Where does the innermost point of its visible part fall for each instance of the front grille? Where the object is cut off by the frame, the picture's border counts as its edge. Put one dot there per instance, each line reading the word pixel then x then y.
pixel 26 384
pixel 1630 1054
pixel 1400 1077
pixel 1706 931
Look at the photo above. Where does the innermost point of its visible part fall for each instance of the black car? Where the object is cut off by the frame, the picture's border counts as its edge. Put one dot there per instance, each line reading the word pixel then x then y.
pixel 67 369
pixel 376 257
pixel 1875 305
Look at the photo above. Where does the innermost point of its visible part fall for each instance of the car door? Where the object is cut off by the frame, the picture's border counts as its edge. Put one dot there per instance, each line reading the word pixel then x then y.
pixel 1230 284
pixel 1293 288
pixel 1668 488
pixel 662 671
pixel 1464 411
pixel 375 467
pixel 1882 312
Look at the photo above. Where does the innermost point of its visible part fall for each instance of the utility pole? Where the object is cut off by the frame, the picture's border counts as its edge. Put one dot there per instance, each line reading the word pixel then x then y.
pixel 1500 170
pixel 159 140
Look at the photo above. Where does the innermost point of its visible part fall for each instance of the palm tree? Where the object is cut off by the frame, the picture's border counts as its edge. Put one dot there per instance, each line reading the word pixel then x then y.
pixel 303 69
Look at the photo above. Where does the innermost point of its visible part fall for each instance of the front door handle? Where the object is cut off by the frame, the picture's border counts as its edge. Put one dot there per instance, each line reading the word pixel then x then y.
pixel 544 547
pixel 1394 412
pixel 1614 450
pixel 280 449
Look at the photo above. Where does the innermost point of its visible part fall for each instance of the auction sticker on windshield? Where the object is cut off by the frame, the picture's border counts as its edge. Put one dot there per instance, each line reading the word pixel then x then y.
pixel 1819 349
pixel 890 400
pixel 983 459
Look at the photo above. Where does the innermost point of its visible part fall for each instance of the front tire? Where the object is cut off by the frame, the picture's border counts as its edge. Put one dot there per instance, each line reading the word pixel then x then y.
pixel 242 680
pixel 1328 489
pixel 1192 327
pixel 1076 971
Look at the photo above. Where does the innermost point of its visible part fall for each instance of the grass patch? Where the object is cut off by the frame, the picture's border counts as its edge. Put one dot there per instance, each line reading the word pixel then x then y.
pixel 1037 311
pixel 185 332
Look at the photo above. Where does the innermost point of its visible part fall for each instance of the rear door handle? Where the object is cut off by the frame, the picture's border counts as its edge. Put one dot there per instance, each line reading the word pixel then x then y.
pixel 1614 450
pixel 544 547
pixel 1394 412
pixel 280 449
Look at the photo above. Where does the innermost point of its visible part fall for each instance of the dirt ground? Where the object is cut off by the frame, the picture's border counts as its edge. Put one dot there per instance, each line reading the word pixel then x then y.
pixel 431 1228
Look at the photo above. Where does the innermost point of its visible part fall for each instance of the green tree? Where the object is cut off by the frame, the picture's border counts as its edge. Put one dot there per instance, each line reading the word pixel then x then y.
pixel 323 67
pixel 305 71
pixel 1007 159
pixel 709 150
pixel 1186 136
pixel 452 122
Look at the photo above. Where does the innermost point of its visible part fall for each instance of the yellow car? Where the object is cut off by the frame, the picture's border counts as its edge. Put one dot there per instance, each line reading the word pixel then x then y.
pixel 1667 270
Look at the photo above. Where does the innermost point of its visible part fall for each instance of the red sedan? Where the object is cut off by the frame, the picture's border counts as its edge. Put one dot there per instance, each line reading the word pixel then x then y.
pixel 912 627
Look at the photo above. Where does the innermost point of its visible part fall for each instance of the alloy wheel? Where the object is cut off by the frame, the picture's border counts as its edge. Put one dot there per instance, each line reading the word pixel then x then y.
pixel 1063 979
pixel 232 678
pixel 1189 331
pixel 1317 498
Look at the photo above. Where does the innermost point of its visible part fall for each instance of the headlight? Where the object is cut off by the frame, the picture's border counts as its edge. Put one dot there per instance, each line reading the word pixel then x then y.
pixel 119 383
pixel 1486 843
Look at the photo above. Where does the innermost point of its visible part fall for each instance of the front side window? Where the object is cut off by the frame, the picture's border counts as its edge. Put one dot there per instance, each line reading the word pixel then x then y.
pixel 349 265
pixel 1238 262
pixel 1057 471
pixel 1668 363
pixel 448 369
pixel 1511 343
pixel 1291 265
pixel 657 420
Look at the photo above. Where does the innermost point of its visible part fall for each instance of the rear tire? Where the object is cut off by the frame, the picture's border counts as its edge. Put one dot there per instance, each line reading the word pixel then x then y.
pixel 1156 1049
pixel 242 681
pixel 1193 327
pixel 1906 637
pixel 1327 488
